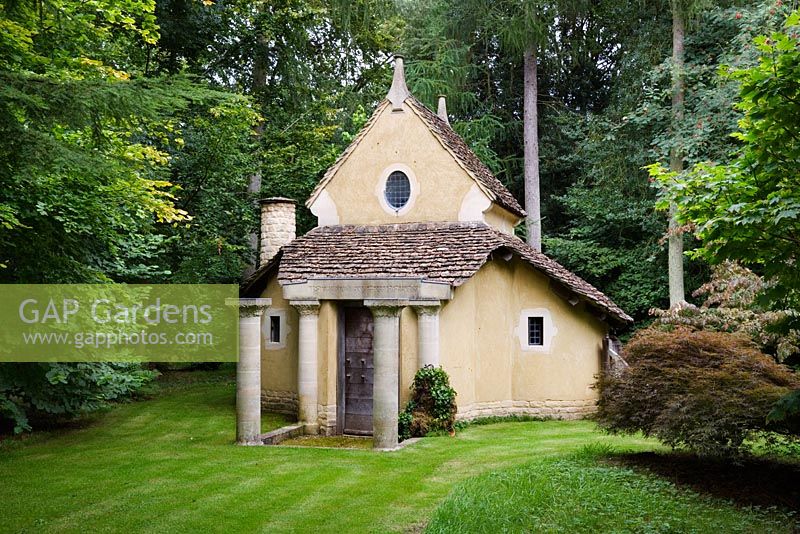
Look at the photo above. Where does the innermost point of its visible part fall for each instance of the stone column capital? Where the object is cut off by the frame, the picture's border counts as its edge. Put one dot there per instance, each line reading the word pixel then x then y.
pixel 427 307
pixel 385 308
pixel 306 307
pixel 250 307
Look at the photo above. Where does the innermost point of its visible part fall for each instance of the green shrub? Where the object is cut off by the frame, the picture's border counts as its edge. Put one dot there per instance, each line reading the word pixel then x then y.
pixel 47 391
pixel 786 412
pixel 706 391
pixel 432 406
pixel 732 304
pixel 404 421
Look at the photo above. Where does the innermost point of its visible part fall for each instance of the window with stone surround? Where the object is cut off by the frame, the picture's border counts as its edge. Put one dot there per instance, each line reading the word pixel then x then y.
pixel 535 330
pixel 274 328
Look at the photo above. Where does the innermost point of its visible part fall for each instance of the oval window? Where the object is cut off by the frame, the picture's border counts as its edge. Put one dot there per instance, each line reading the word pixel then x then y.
pixel 398 190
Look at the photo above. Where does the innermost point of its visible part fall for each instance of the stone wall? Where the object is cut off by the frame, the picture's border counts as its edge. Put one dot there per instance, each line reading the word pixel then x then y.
pixel 286 402
pixel 279 402
pixel 550 409
pixel 278 226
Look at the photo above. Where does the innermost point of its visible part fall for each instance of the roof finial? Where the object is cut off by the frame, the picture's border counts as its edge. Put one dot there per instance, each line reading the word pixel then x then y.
pixel 442 111
pixel 399 92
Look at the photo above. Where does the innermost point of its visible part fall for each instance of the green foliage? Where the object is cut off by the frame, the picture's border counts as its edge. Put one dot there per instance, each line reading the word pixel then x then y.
pixel 87 145
pixel 731 305
pixel 404 421
pixel 786 412
pixel 613 243
pixel 608 231
pixel 472 53
pixel 94 159
pixel 314 64
pixel 212 168
pixel 749 209
pixel 706 391
pixel 33 392
pixel 432 406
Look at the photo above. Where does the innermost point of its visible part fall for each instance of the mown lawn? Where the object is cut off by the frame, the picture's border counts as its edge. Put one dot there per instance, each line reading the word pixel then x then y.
pixel 169 465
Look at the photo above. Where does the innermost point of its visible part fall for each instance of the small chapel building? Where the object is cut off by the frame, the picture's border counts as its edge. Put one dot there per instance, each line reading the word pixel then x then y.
pixel 414 262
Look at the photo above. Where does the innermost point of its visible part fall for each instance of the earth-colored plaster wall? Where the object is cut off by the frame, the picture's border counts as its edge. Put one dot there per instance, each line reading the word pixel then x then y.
pixel 279 365
pixel 457 335
pixel 480 349
pixel 408 353
pixel 489 369
pixel 327 354
pixel 501 219
pixel 400 138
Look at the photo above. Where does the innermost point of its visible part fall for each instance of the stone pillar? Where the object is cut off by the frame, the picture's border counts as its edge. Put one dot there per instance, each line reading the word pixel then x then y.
pixel 428 334
pixel 248 369
pixel 386 359
pixel 442 110
pixel 307 364
pixel 278 226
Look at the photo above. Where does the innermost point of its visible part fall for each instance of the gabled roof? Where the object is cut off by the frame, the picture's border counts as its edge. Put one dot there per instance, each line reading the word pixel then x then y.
pixel 466 157
pixel 436 252
pixel 450 140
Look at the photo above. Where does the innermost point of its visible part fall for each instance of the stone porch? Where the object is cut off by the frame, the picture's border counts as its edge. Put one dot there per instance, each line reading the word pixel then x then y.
pixel 386 299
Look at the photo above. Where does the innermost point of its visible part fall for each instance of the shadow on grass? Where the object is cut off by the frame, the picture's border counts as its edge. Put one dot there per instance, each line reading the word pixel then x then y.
pixel 748 482
pixel 167 382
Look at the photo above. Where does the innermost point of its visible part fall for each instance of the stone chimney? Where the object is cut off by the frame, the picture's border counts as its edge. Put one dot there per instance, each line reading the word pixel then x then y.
pixel 278 226
pixel 442 111
pixel 398 92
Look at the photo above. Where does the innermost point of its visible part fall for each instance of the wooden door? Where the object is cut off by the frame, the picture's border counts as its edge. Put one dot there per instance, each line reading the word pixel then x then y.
pixel 358 371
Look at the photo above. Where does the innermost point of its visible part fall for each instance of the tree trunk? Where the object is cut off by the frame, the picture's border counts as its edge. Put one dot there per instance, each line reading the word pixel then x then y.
pixel 676 289
pixel 530 128
pixel 259 83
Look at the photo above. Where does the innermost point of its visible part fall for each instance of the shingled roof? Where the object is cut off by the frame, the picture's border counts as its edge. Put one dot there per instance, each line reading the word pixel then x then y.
pixel 450 140
pixel 440 252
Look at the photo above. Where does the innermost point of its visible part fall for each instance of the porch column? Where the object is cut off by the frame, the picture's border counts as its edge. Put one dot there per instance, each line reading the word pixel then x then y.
pixel 248 369
pixel 307 364
pixel 386 359
pixel 428 333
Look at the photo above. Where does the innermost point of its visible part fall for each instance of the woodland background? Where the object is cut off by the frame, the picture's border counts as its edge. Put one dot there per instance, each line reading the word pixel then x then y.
pixel 129 131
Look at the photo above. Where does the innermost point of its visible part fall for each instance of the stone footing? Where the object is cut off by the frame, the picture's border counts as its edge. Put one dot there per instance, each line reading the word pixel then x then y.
pixel 327 419
pixel 551 409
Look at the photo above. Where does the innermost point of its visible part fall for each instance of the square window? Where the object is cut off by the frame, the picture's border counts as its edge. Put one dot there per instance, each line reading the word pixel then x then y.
pixel 274 328
pixel 536 331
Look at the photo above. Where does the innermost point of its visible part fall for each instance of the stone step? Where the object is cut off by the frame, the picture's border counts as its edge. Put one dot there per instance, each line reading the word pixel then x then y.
pixel 280 434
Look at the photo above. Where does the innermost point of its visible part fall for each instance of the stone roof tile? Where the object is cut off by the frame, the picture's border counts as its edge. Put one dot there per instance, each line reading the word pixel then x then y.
pixel 437 252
